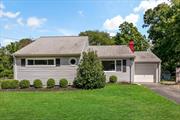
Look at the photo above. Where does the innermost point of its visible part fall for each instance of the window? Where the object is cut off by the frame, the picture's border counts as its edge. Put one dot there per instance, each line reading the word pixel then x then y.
pixel 40 62
pixel 23 62
pixel 30 62
pixel 73 61
pixel 118 65
pixel 108 65
pixel 50 62
pixel 58 62
pixel 124 65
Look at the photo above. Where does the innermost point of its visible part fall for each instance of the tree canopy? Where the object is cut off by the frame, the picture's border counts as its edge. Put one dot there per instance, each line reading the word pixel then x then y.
pixel 97 37
pixel 164 29
pixel 6 58
pixel 128 31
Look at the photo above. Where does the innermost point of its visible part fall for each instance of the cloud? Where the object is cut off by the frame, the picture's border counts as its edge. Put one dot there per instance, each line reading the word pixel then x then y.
pixel 7 14
pixel 113 23
pixel 1 5
pixel 149 4
pixel 20 21
pixel 6 42
pixel 35 22
pixel 81 13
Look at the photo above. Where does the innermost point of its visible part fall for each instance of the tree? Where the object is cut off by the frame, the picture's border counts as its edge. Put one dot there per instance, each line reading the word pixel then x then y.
pixel 127 32
pixel 163 22
pixel 97 37
pixel 90 74
pixel 6 58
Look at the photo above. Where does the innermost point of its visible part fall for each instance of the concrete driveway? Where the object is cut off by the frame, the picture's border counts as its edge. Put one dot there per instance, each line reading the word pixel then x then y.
pixel 168 91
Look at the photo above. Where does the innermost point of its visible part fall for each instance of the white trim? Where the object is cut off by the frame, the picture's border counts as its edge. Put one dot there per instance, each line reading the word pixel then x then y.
pixel 39 59
pixel 71 59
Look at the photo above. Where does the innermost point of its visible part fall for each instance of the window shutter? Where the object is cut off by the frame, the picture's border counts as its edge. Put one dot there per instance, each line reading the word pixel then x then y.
pixel 58 62
pixel 23 62
pixel 124 65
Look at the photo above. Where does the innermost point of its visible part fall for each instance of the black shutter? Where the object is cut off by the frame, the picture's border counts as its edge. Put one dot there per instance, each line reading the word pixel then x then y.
pixel 124 65
pixel 23 62
pixel 58 62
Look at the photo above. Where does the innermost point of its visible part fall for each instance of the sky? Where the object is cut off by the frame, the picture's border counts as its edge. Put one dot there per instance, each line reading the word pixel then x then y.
pixel 34 18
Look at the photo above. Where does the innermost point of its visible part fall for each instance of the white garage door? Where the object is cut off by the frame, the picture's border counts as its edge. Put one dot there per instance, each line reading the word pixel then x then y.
pixel 144 72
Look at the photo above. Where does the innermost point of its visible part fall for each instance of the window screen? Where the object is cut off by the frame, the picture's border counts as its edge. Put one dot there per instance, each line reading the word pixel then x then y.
pixel 124 65
pixel 23 62
pixel 50 62
pixel 108 65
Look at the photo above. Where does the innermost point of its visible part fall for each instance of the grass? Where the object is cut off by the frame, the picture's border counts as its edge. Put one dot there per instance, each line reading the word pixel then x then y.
pixel 114 102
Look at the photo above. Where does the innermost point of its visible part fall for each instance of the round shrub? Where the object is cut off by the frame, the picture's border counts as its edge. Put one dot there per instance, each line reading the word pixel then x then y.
pixel 113 79
pixel 10 84
pixel 63 83
pixel 24 84
pixel 37 83
pixel 50 83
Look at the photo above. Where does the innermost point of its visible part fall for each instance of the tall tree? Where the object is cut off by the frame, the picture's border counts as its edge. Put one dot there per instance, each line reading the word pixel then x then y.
pixel 163 22
pixel 98 37
pixel 6 58
pixel 127 32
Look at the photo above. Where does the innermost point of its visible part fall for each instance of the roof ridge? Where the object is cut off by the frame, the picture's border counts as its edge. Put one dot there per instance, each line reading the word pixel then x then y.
pixel 62 36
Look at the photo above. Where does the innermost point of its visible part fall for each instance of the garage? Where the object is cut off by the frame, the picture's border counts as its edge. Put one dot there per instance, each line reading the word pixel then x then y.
pixel 147 67
pixel 145 72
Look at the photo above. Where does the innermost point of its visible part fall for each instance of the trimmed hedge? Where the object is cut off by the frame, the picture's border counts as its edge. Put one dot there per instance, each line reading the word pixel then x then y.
pixel 24 84
pixel 113 79
pixel 63 83
pixel 10 84
pixel 37 83
pixel 50 83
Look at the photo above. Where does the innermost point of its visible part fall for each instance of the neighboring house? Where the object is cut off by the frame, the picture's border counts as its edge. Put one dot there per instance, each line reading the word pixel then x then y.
pixel 58 57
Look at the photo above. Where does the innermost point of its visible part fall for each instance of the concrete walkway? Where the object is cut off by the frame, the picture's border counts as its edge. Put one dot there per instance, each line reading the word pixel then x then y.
pixel 165 90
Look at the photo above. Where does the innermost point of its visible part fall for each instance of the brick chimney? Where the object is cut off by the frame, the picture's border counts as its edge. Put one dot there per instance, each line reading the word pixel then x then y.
pixel 131 45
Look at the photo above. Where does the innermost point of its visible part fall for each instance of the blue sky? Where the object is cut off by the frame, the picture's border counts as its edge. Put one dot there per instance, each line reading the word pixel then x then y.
pixel 35 18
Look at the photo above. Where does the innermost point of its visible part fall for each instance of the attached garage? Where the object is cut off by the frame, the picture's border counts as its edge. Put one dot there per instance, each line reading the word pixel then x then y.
pixel 147 67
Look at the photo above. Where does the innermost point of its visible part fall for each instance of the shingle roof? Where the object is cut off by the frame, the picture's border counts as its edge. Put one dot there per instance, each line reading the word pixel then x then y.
pixel 146 56
pixel 113 51
pixel 54 45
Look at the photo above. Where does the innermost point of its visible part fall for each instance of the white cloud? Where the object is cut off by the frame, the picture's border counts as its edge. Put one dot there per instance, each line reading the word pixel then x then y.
pixel 81 13
pixel 20 21
pixel 1 5
pixel 6 42
pixel 112 33
pixel 7 14
pixel 149 4
pixel 35 22
pixel 113 23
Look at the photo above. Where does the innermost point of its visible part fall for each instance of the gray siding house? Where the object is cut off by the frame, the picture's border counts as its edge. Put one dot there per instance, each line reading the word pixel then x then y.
pixel 58 56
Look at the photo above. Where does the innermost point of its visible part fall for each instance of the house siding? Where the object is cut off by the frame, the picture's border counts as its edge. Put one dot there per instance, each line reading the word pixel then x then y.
pixel 45 72
pixel 122 76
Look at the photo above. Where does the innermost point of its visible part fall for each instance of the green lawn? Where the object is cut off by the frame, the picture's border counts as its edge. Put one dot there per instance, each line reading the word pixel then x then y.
pixel 114 102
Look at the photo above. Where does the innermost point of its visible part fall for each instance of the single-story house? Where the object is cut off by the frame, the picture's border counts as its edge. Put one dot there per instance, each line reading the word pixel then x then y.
pixel 58 57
